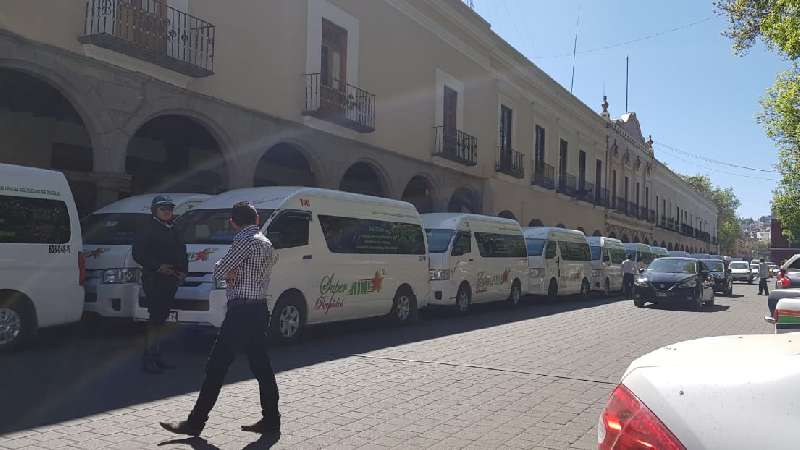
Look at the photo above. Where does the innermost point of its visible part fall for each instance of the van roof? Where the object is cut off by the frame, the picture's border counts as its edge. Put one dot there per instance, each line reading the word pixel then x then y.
pixel 635 245
pixel 604 240
pixel 141 203
pixel 273 197
pixel 544 232
pixel 452 220
pixel 33 182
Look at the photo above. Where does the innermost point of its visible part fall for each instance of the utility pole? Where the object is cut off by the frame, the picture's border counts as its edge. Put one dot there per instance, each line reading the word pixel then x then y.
pixel 626 84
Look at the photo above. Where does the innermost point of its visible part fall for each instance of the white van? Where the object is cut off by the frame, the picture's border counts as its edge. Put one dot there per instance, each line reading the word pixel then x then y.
pixel 341 256
pixel 607 257
pixel 659 252
pixel 41 264
pixel 639 253
pixel 475 259
pixel 560 262
pixel 112 276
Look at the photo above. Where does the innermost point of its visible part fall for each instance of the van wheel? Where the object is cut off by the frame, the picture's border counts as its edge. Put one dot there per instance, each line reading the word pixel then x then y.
pixel 17 323
pixel 287 321
pixel 404 306
pixel 463 299
pixel 516 294
pixel 552 290
pixel 585 289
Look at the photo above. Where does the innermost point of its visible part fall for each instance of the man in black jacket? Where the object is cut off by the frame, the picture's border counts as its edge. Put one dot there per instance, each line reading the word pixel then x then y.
pixel 160 251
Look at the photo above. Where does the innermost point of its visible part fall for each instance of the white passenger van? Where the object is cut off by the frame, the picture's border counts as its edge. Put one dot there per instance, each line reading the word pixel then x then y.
pixel 559 260
pixel 639 253
pixel 607 256
pixel 658 252
pixel 475 259
pixel 341 256
pixel 41 264
pixel 112 276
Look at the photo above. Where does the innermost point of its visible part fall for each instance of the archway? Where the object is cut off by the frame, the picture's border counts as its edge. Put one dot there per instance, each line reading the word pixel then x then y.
pixel 646 241
pixel 535 223
pixel 625 239
pixel 613 235
pixel 419 193
pixel 40 127
pixel 363 178
pixel 581 230
pixel 175 153
pixel 636 238
pixel 284 165
pixel 560 225
pixel 597 233
pixel 506 214
pixel 669 246
pixel 464 200
pixel 663 244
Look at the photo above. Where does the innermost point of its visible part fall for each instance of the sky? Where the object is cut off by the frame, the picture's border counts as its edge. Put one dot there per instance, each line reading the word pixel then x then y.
pixel 688 89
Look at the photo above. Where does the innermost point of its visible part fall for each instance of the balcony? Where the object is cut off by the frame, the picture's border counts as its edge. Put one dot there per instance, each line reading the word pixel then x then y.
pixel 601 197
pixel 341 103
pixel 643 213
pixel 544 175
pixel 510 162
pixel 652 216
pixel 152 31
pixel 586 192
pixel 455 145
pixel 621 205
pixel 633 210
pixel 567 184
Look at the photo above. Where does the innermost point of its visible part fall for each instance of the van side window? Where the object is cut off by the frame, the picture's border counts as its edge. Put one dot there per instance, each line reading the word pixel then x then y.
pixel 495 245
pixel 575 251
pixel 462 243
pixel 368 236
pixel 617 255
pixel 550 250
pixel 289 231
pixel 33 221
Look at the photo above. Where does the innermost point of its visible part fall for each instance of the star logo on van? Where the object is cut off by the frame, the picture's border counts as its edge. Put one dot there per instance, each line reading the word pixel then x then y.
pixel 202 255
pixel 96 253
pixel 377 281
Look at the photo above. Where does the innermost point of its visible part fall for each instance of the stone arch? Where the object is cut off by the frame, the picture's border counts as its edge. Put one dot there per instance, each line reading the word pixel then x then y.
pixel 364 177
pixel 176 153
pixel 625 239
pixel 284 164
pixel 663 244
pixel 464 199
pixel 597 233
pixel 535 223
pixel 613 235
pixel 419 192
pixel 506 214
pixel 669 246
pixel 636 238
pixel 560 225
pixel 646 241
pixel 581 230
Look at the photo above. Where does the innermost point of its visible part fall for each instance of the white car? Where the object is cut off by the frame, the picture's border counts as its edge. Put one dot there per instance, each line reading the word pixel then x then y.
pixel 727 392
pixel 786 316
pixel 741 271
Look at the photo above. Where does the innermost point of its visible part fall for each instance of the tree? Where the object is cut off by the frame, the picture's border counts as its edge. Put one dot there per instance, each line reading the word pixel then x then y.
pixel 777 24
pixel 728 226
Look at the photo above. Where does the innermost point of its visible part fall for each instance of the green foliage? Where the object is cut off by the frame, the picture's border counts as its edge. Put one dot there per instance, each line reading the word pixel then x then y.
pixel 776 22
pixel 728 226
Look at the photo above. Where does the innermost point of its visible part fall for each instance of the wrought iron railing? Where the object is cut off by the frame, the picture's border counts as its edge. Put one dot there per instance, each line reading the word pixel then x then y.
pixel 601 197
pixel 621 205
pixel 455 145
pixel 652 216
pixel 567 184
pixel 510 162
pixel 586 192
pixel 340 103
pixel 544 175
pixel 153 31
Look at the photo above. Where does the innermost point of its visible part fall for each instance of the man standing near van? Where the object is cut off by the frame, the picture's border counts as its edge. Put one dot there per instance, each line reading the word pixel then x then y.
pixel 763 275
pixel 628 272
pixel 246 269
pixel 159 249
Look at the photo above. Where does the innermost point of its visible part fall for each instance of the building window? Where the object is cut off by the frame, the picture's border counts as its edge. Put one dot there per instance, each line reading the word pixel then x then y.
pixel 333 67
pixel 647 197
pixel 450 116
pixel 627 188
pixel 638 187
pixel 613 188
pixel 539 147
pixel 581 170
pixel 506 121
pixel 598 178
pixel 562 160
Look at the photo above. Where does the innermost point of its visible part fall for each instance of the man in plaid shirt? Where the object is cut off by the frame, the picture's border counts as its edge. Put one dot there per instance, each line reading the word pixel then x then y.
pixel 246 269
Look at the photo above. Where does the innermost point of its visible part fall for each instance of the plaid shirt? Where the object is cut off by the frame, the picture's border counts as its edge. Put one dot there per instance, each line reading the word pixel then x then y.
pixel 251 258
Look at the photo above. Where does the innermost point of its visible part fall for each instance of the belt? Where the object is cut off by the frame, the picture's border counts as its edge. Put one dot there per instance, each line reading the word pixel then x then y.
pixel 247 301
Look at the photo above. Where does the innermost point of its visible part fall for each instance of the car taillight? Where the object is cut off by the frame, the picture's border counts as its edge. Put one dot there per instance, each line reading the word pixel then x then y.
pixel 627 423
pixel 81 268
pixel 783 281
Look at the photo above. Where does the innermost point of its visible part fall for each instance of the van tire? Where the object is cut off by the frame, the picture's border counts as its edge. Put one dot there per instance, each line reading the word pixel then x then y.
pixel 515 296
pixel 16 311
pixel 404 306
pixel 552 290
pixel 288 319
pixel 463 299
pixel 585 290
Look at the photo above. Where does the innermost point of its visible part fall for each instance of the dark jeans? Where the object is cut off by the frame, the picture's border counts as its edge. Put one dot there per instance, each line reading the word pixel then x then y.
pixel 762 286
pixel 243 330
pixel 159 291
pixel 627 284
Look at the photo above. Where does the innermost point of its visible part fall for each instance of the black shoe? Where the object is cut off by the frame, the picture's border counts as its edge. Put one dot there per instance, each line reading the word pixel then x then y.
pixel 150 366
pixel 263 427
pixel 183 427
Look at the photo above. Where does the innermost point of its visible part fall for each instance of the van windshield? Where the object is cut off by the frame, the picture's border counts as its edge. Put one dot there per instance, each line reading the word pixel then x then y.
pixel 535 246
pixel 112 229
pixel 597 252
pixel 439 239
pixel 211 226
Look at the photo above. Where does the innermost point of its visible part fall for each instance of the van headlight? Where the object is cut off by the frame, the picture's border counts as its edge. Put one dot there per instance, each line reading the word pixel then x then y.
pixel 688 283
pixel 535 273
pixel 220 284
pixel 118 276
pixel 440 274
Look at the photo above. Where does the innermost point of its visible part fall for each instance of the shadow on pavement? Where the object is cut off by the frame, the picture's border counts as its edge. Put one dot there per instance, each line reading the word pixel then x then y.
pixel 196 443
pixel 78 371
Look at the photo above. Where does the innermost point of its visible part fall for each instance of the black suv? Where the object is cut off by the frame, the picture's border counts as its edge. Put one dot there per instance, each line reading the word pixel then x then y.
pixel 723 280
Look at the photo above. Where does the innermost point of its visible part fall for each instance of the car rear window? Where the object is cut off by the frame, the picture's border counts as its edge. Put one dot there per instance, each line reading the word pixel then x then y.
pixel 735 265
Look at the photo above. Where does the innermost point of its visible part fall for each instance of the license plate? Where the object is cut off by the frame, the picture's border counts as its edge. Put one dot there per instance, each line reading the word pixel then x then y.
pixel 173 316
pixel 661 294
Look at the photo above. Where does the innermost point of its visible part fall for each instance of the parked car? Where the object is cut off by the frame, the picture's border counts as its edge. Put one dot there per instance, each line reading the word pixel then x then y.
pixel 475 259
pixel 41 261
pixel 777 294
pixel 726 392
pixel 701 255
pixel 341 256
pixel 786 316
pixel 113 278
pixel 560 262
pixel 723 281
pixel 607 257
pixel 659 252
pixel 741 271
pixel 789 275
pixel 675 279
pixel 679 253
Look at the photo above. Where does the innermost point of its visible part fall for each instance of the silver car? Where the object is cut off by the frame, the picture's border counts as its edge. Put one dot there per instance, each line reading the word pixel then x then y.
pixel 741 271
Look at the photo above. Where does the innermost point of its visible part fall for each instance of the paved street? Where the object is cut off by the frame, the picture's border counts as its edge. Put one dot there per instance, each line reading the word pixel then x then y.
pixel 535 377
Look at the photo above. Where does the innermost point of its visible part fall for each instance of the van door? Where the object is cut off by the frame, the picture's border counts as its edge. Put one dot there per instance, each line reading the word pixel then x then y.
pixel 463 262
pixel 551 264
pixel 566 270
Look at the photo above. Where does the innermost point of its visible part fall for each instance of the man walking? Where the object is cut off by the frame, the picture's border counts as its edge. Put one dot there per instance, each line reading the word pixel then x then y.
pixel 246 268
pixel 628 272
pixel 159 249
pixel 763 275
